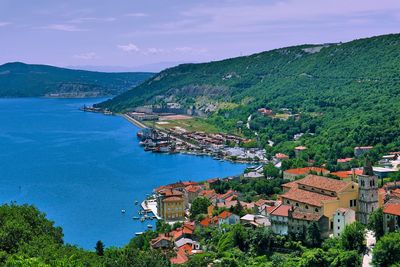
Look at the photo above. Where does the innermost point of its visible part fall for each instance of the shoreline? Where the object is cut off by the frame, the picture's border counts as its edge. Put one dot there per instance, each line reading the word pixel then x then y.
pixel 133 121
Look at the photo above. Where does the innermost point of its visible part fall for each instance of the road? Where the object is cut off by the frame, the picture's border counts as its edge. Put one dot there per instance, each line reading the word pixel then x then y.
pixel 367 259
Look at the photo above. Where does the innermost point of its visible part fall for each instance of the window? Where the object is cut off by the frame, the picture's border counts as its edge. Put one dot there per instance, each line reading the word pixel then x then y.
pixel 338 220
pixel 352 187
pixel 297 204
pixel 355 202
pixel 316 210
pixel 287 202
pixel 338 227
pixel 306 207
pixel 351 203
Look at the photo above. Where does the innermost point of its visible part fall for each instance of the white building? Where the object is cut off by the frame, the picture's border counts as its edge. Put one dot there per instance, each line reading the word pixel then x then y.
pixel 341 218
pixel 279 218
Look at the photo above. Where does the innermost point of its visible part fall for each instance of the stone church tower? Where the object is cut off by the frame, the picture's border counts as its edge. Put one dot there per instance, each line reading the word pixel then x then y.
pixel 367 194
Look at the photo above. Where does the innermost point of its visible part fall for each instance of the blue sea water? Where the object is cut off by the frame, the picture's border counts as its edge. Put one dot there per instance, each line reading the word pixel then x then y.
pixel 82 168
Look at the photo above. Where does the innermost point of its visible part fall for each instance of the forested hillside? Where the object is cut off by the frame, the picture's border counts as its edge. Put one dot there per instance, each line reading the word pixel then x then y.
pixel 24 80
pixel 340 95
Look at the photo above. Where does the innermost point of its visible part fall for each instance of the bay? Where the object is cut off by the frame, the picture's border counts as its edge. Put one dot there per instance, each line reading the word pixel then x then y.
pixel 82 168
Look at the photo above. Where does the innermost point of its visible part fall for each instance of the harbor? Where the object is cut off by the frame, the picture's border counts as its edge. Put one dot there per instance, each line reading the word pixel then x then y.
pixel 220 146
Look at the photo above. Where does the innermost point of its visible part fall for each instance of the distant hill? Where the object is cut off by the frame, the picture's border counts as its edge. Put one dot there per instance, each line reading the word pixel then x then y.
pixel 26 80
pixel 339 95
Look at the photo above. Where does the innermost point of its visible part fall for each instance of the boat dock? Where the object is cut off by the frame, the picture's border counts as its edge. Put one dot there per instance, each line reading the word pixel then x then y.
pixel 151 206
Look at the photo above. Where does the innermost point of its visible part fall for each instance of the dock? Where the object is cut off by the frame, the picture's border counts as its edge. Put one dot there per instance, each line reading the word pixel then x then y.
pixel 151 206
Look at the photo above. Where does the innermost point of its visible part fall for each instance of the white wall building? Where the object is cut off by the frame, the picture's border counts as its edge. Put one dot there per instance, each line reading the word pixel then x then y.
pixel 341 218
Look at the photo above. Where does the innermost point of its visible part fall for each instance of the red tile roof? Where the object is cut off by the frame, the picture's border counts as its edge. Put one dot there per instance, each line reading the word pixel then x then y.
pixel 225 214
pixel 281 210
pixel 208 193
pixel 172 199
pixel 344 160
pixel 392 208
pixel 290 184
pixel 346 174
pixel 180 257
pixel 323 183
pixel 281 156
pixel 261 202
pixel 193 188
pixel 303 196
pixel 159 238
pixel 306 170
pixel 306 216
pixel 207 221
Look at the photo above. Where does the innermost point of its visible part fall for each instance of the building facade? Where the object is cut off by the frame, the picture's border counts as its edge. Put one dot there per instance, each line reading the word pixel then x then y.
pixel 341 218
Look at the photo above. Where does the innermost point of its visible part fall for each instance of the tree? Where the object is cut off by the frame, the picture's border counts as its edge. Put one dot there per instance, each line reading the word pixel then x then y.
pixel 271 171
pixel 387 250
pixel 375 223
pixel 313 258
pixel 347 259
pixel 313 235
pixel 199 206
pixel 353 237
pixel 99 248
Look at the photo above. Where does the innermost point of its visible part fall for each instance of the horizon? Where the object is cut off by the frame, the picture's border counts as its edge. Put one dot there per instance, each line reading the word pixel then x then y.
pixel 154 35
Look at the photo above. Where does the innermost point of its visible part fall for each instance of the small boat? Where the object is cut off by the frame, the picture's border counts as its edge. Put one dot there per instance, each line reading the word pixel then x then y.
pixel 138 233
pixel 123 211
pixel 149 226
pixel 136 218
pixel 142 219
pixel 136 202
pixel 140 212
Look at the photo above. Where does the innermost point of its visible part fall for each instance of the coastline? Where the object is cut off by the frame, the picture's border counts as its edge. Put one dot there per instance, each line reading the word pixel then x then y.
pixel 133 121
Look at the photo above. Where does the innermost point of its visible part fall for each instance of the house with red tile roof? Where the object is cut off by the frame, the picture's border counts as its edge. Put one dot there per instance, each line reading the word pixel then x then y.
pixel 279 218
pixel 391 215
pixel 320 196
pixel 292 174
pixel 281 156
pixel 163 241
pixel 350 175
pixel 227 217
pixel 344 160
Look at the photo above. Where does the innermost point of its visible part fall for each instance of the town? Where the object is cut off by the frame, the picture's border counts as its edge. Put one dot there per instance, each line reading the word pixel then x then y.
pixel 308 196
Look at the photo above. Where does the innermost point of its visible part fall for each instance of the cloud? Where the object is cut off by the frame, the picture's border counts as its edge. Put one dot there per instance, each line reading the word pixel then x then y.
pixel 63 27
pixel 136 15
pixel 3 23
pixel 91 19
pixel 129 48
pixel 187 49
pixel 86 56
pixel 153 50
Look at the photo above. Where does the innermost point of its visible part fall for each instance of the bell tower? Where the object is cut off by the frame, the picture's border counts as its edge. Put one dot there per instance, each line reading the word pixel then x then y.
pixel 367 193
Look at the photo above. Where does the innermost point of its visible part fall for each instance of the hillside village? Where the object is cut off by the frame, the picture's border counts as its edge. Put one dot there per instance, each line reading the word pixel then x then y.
pixel 307 197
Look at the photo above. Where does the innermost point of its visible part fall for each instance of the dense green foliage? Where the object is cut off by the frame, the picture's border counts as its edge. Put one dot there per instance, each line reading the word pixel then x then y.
pixel 23 80
pixel 387 250
pixel 344 95
pixel 239 246
pixel 199 206
pixel 27 238
pixel 375 223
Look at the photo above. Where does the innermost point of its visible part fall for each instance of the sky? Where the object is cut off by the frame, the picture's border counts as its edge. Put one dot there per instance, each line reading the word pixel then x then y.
pixel 150 35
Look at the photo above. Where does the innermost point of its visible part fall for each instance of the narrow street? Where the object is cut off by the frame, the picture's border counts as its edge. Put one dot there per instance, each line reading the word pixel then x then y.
pixel 367 259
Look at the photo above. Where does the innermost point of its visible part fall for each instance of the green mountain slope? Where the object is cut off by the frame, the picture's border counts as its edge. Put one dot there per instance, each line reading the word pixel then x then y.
pixel 345 94
pixel 24 80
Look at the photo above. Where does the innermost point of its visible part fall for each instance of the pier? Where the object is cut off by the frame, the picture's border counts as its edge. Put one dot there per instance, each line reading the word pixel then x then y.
pixel 151 206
